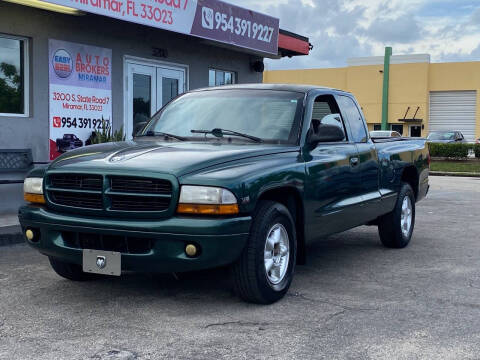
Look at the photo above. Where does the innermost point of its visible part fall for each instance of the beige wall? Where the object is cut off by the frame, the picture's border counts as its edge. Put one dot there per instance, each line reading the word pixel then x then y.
pixel 410 86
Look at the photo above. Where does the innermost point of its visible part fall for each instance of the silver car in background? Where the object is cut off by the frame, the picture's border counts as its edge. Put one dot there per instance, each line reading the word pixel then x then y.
pixel 384 134
pixel 446 137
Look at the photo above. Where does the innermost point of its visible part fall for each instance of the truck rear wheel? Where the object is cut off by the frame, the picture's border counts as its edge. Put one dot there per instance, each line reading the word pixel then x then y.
pixel 68 271
pixel 265 269
pixel 396 228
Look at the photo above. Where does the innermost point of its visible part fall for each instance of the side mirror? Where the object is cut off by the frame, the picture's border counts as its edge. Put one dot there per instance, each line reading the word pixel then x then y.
pixel 326 133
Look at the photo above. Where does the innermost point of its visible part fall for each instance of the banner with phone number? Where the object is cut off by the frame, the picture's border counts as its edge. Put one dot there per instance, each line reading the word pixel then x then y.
pixel 80 83
pixel 209 19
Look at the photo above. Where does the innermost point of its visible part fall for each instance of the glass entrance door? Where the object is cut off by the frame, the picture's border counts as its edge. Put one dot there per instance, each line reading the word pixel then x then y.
pixel 170 83
pixel 415 131
pixel 149 88
pixel 141 97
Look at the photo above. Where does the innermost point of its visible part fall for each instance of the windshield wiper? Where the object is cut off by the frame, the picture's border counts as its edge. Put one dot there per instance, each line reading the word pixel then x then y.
pixel 220 132
pixel 167 135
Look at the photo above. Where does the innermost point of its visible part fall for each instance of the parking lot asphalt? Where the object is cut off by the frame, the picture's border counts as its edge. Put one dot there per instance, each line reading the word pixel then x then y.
pixel 353 300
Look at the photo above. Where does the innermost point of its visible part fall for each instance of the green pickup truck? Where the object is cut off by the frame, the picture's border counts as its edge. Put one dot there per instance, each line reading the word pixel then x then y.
pixel 242 175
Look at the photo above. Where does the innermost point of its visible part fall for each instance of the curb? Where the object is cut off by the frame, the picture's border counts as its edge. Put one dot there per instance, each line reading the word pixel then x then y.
pixel 464 160
pixel 10 235
pixel 11 239
pixel 458 174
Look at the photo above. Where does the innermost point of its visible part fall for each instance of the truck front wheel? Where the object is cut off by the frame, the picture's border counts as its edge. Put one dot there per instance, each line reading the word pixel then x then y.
pixel 265 269
pixel 396 228
pixel 68 271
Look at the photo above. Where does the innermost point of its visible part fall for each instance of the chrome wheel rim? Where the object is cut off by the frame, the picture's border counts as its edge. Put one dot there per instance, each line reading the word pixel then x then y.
pixel 407 215
pixel 276 254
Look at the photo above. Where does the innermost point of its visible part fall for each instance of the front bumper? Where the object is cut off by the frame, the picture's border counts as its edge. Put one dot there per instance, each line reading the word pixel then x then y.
pixel 221 239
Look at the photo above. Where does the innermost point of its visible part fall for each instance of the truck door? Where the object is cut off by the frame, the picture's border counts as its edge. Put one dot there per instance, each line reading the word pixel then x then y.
pixel 368 169
pixel 332 183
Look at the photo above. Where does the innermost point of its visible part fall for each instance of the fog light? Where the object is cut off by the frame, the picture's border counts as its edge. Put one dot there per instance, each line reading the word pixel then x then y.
pixel 30 235
pixel 191 250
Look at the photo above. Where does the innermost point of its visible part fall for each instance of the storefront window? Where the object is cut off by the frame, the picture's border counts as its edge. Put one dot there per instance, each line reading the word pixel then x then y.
pixel 398 128
pixel 12 76
pixel 220 77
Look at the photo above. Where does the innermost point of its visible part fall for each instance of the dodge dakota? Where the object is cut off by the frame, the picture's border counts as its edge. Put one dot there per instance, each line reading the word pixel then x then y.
pixel 68 142
pixel 243 175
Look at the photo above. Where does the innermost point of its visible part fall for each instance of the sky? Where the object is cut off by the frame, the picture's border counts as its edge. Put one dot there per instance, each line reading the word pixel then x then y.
pixel 448 30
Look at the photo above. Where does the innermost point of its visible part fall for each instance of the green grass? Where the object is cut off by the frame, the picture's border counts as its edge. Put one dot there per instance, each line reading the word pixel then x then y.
pixel 456 166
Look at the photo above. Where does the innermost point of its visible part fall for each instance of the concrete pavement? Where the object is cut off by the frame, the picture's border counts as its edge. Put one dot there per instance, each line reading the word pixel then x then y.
pixel 10 231
pixel 353 300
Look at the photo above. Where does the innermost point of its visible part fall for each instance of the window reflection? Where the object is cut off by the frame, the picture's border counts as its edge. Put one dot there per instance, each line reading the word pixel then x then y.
pixel 220 77
pixel 141 100
pixel 169 89
pixel 12 76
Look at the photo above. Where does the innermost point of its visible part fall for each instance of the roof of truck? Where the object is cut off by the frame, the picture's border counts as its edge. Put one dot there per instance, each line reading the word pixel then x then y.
pixel 282 87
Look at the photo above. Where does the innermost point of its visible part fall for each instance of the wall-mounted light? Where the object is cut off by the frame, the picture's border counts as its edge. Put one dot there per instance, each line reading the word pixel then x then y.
pixel 258 66
pixel 48 6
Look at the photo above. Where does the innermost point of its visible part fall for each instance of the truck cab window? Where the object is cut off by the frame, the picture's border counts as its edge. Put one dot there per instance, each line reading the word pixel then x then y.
pixel 325 111
pixel 354 118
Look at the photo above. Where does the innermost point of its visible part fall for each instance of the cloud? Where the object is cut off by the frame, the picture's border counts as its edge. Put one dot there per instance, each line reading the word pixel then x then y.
pixel 330 26
pixel 475 19
pixel 404 29
pixel 340 29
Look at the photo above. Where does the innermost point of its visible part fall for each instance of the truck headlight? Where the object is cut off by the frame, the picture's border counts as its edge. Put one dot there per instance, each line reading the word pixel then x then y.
pixel 33 190
pixel 205 200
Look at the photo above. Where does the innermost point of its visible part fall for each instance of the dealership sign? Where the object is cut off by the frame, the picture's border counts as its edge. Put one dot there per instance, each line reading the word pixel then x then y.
pixel 80 91
pixel 208 19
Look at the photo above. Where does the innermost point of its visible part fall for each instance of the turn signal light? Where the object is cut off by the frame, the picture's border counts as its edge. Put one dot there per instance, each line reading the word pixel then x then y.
pixel 34 198
pixel 204 209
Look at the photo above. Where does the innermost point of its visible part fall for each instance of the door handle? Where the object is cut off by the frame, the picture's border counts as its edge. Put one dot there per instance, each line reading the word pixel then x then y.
pixel 354 161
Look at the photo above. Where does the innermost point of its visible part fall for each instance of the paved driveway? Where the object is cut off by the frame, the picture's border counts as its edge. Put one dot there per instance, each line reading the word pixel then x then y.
pixel 354 300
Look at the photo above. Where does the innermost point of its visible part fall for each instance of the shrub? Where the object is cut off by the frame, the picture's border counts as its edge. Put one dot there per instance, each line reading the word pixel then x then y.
pixel 453 151
pixel 476 149
pixel 106 135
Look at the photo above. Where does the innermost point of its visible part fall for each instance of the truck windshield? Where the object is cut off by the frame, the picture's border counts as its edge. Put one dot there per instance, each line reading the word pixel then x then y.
pixel 269 115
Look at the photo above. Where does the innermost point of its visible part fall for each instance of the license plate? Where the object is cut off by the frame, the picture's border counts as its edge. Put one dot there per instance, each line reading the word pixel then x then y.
pixel 102 262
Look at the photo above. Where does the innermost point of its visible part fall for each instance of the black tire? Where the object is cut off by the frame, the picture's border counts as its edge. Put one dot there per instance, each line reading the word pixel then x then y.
pixel 68 271
pixel 249 274
pixel 390 227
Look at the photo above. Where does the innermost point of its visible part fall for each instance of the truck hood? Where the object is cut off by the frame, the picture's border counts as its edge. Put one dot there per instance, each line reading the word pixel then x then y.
pixel 149 156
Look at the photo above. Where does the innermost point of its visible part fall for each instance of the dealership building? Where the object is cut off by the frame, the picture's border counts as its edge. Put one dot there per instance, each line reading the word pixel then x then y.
pixel 68 68
pixel 420 96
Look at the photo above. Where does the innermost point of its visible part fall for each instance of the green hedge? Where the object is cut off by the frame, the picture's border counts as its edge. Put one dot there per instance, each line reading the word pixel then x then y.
pixel 453 151
pixel 476 148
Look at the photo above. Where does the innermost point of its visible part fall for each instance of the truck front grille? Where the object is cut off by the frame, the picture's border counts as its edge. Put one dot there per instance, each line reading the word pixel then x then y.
pixel 76 182
pixel 140 185
pixel 86 201
pixel 110 193
pixel 138 203
pixel 122 244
